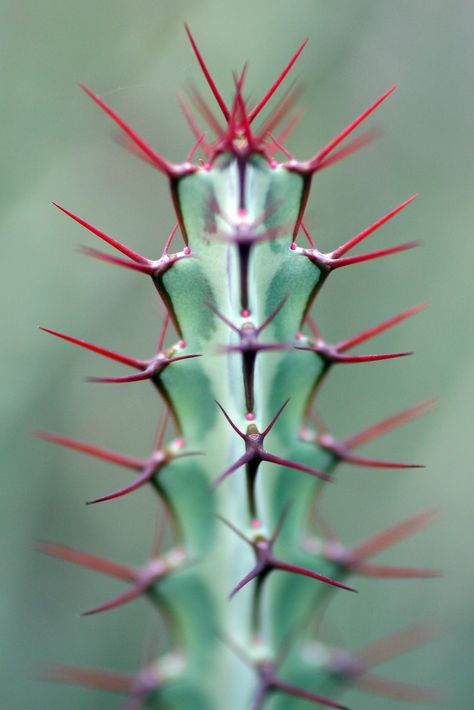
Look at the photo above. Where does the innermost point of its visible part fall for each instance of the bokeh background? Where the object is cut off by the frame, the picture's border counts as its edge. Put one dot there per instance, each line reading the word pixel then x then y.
pixel 57 145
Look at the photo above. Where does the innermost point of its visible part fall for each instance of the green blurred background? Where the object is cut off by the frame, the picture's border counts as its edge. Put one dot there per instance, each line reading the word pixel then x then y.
pixel 56 145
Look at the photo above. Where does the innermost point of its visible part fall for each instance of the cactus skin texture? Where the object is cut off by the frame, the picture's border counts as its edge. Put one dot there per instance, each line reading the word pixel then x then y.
pixel 239 482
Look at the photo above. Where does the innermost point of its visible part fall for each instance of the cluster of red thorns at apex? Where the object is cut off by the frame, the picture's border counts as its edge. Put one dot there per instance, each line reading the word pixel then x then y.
pixel 238 138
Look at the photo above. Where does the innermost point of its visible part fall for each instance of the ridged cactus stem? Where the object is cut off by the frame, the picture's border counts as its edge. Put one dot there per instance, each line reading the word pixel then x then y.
pixel 240 481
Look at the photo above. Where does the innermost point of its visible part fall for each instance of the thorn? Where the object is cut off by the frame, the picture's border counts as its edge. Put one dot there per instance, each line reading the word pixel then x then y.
pixel 270 458
pixel 234 529
pixel 253 574
pixel 391 572
pixel 346 261
pixel 396 644
pixel 302 572
pixel 209 79
pixel 170 239
pixel 404 692
pixel 307 235
pixel 369 463
pixel 272 315
pixel 139 377
pixel 173 171
pixel 127 144
pixel 395 534
pixel 153 368
pixel 381 328
pixel 354 146
pixel 234 427
pixel 275 418
pixel 92 562
pixel 147 474
pixel 331 355
pixel 124 360
pixel 90 678
pixel 369 358
pixel 287 130
pixel 157 461
pixel 242 461
pixel 130 595
pixel 281 110
pixel 312 165
pixel 295 692
pixel 256 110
pixel 105 455
pixel 133 255
pixel 108 259
pixel 198 134
pixel 222 317
pixel 340 251
pixel 387 425
pixel 195 148
pixel 279 147
pixel 205 110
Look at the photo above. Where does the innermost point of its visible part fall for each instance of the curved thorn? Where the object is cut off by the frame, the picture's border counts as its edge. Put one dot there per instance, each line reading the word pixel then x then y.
pixel 273 421
pixel 270 458
pixel 148 472
pixel 234 427
pixel 133 593
pixel 253 574
pixel 240 462
pixel 303 572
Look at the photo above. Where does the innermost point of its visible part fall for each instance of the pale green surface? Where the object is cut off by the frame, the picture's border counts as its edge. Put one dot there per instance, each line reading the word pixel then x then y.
pixel 56 146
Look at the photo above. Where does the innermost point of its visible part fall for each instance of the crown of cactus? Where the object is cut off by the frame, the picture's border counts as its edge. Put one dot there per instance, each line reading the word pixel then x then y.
pixel 244 562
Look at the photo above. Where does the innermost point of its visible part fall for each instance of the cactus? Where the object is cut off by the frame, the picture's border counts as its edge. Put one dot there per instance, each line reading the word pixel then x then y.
pixel 244 563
